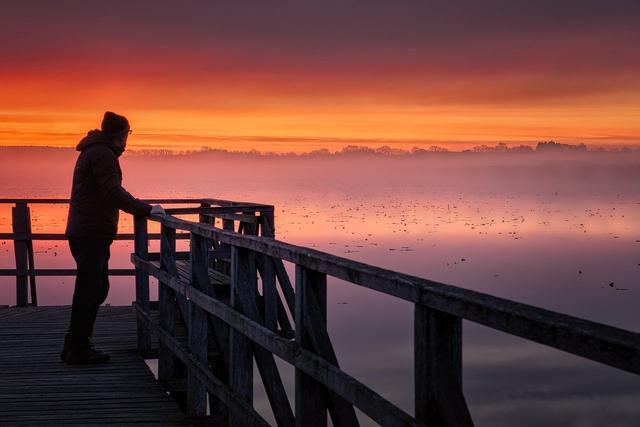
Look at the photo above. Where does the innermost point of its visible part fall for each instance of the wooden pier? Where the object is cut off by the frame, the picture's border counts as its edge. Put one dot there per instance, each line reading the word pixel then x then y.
pixel 228 302
pixel 36 388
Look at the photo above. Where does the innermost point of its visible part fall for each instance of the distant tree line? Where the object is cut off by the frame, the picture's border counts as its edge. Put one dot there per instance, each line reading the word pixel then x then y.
pixel 385 150
pixel 357 150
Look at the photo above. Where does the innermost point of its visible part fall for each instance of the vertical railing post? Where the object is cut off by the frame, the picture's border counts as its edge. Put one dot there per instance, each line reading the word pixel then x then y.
pixel 20 219
pixel 200 263
pixel 141 249
pixel 198 328
pixel 167 304
pixel 268 275
pixel 274 306
pixel 311 396
pixel 31 256
pixel 225 249
pixel 204 218
pixel 244 301
pixel 243 285
pixel 439 400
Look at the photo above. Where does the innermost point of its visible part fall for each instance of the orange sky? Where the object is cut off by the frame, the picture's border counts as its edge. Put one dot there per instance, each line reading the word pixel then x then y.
pixel 383 76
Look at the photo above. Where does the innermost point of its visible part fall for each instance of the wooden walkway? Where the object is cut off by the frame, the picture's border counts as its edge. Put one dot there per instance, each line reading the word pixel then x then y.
pixel 36 388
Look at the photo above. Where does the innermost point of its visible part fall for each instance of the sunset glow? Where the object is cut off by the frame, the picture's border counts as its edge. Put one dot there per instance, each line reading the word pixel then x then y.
pixel 301 78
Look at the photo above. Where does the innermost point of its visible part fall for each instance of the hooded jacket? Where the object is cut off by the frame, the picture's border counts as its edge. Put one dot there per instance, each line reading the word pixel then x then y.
pixel 97 193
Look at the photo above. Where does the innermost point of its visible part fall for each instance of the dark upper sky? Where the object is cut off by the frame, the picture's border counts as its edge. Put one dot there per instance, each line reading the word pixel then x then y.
pixel 304 28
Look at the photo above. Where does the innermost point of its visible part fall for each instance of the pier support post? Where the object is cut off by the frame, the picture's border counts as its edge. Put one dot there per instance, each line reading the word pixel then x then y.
pixel 243 280
pixel 225 249
pixel 203 218
pixel 167 372
pixel 268 275
pixel 311 396
pixel 439 400
pixel 198 328
pixel 141 249
pixel 23 250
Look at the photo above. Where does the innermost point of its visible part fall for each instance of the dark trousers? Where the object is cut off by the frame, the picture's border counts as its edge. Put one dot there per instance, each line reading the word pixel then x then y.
pixel 92 286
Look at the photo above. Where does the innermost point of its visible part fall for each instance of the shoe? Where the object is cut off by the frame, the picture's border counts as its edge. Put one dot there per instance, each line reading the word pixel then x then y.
pixel 84 355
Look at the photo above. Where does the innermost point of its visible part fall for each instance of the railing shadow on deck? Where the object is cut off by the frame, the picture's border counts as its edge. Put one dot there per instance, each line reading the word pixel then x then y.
pixel 228 301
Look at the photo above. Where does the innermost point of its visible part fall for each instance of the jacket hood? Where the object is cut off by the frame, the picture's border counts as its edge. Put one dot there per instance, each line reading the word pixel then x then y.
pixel 95 137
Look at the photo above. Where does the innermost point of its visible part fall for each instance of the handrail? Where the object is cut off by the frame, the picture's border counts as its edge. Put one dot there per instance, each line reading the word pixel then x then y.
pixel 221 202
pixel 23 237
pixel 609 345
pixel 320 384
pixel 61 236
pixel 60 272
pixel 66 201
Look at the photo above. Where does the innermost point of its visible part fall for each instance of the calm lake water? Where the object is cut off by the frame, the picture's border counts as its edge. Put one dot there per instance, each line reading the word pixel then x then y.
pixel 562 235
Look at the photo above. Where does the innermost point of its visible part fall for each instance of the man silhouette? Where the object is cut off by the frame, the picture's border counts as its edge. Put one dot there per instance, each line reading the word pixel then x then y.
pixel 92 224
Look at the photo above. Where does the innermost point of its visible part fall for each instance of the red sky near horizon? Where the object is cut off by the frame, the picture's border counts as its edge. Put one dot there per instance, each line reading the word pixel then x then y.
pixel 289 76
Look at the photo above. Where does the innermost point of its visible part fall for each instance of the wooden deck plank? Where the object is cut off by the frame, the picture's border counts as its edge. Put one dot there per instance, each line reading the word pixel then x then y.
pixel 37 388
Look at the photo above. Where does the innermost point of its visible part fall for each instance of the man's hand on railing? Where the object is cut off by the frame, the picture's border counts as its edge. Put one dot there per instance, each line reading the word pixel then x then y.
pixel 157 210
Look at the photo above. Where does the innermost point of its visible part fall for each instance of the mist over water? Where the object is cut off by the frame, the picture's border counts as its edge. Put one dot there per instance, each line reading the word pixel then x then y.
pixel 560 231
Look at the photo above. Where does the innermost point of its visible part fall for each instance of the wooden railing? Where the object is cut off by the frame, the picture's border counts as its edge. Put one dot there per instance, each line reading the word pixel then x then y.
pixel 22 237
pixel 252 323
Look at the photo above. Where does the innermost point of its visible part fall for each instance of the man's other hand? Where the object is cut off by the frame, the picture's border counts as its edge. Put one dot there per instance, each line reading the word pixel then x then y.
pixel 157 210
